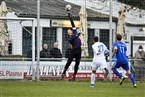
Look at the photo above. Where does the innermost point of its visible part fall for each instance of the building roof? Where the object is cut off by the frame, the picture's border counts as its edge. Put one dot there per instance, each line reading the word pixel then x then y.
pixel 50 9
pixel 134 3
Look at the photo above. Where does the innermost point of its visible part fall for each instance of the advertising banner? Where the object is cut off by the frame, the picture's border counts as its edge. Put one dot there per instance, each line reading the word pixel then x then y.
pixel 23 69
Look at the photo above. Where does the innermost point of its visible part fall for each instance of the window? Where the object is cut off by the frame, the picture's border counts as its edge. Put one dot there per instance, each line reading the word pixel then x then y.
pixel 27 39
pixel 90 41
pixel 49 36
pixel 65 43
pixel 139 38
pixel 104 37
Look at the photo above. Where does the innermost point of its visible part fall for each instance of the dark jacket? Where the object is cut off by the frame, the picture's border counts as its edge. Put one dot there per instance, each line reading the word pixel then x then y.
pixel 55 53
pixel 45 54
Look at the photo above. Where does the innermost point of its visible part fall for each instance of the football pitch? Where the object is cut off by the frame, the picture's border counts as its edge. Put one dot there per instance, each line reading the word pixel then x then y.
pixel 18 88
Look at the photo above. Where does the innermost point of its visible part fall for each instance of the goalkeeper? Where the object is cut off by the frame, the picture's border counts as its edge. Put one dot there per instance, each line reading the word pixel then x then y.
pixel 74 40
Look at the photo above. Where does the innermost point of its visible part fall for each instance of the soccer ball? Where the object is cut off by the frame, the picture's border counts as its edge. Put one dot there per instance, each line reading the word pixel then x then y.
pixel 68 7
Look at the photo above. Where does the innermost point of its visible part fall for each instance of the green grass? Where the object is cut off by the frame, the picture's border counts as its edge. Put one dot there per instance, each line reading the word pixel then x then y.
pixel 17 88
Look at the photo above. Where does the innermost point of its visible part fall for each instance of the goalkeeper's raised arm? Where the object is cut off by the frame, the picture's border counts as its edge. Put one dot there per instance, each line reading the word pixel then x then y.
pixel 71 20
pixel 75 34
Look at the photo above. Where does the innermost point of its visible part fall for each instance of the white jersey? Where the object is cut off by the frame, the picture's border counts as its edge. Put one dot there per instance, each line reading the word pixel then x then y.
pixel 99 58
pixel 99 49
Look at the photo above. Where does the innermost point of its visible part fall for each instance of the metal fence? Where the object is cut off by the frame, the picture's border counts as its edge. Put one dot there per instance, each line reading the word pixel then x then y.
pixel 138 69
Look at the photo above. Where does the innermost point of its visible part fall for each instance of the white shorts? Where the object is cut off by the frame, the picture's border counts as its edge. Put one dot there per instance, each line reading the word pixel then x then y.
pixel 99 63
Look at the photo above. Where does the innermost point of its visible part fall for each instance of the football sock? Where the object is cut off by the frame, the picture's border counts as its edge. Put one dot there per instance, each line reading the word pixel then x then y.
pixel 76 69
pixel 117 73
pixel 93 78
pixel 132 78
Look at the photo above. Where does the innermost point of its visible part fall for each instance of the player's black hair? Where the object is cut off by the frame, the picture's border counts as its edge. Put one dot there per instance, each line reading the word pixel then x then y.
pixel 118 37
pixel 96 38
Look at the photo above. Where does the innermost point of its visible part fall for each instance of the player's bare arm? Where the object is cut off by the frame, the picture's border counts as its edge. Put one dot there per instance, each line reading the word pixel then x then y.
pixel 114 51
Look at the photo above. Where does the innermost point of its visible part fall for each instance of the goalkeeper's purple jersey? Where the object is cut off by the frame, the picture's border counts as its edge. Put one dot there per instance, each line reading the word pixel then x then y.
pixel 121 52
pixel 74 39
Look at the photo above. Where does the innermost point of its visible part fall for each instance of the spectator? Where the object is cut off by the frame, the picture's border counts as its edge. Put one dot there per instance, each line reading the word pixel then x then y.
pixel 139 64
pixel 55 51
pixel 44 53
pixel 68 51
pixel 140 53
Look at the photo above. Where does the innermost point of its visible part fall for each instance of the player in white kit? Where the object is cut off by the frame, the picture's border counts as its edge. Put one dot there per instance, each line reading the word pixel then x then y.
pixel 99 61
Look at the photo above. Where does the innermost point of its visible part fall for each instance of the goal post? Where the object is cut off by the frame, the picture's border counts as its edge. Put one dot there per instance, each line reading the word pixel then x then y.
pixel 5 34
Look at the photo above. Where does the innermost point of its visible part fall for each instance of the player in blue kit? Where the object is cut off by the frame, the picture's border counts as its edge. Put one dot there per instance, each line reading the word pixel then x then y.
pixel 119 48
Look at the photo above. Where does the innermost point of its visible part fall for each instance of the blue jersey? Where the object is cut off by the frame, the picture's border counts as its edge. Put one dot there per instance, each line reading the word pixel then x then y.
pixel 121 52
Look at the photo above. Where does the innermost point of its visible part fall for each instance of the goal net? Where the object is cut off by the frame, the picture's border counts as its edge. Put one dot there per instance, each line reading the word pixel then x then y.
pixel 17 42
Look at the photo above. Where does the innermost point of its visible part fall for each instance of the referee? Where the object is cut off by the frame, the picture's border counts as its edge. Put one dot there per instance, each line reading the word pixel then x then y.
pixel 74 40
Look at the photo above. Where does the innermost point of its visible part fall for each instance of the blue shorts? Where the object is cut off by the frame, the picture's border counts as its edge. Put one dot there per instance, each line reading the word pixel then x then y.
pixel 124 65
